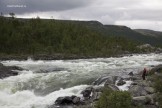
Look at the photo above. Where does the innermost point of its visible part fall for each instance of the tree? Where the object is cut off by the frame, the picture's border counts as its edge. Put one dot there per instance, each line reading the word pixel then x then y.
pixel 12 15
pixel 1 14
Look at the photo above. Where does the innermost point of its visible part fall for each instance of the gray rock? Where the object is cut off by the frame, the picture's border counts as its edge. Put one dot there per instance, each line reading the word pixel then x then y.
pixel 149 90
pixel 87 92
pixel 157 69
pixel 6 71
pixel 112 87
pixel 121 82
pixel 134 78
pixel 107 79
pixel 67 100
pixel 144 100
pixel 76 100
pixel 130 73
pixel 98 88
pixel 137 90
pixel 96 96
pixel 134 83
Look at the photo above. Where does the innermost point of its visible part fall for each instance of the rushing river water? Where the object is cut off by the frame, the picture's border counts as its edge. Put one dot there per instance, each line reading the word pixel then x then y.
pixel 42 82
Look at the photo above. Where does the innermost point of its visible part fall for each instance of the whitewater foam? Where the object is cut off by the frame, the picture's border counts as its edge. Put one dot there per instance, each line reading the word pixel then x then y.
pixel 39 85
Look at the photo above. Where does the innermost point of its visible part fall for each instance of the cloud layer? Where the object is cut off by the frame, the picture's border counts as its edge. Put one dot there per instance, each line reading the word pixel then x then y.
pixel 133 13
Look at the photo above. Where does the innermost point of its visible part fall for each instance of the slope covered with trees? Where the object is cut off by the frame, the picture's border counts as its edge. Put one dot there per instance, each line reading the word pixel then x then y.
pixel 37 36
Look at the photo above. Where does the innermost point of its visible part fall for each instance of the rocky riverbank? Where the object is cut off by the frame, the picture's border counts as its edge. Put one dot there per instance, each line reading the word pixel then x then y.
pixel 142 91
pixel 58 56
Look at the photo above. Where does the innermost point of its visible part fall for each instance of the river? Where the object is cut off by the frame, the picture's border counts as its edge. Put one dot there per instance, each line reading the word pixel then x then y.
pixel 43 81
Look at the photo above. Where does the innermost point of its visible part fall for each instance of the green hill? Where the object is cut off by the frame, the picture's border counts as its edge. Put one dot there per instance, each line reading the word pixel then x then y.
pixel 53 37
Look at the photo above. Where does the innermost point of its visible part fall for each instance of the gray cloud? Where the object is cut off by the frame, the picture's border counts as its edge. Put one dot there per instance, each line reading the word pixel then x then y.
pixel 132 13
pixel 29 6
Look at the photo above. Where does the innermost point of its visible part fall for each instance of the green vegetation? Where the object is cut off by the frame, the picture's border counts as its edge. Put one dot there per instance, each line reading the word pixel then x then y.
pixel 114 99
pixel 158 88
pixel 156 75
pixel 37 36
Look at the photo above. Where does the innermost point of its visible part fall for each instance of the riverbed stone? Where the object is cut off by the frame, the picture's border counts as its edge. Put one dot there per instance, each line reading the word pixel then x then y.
pixel 106 79
pixel 87 92
pixel 6 71
pixel 121 82
pixel 112 87
pixel 130 73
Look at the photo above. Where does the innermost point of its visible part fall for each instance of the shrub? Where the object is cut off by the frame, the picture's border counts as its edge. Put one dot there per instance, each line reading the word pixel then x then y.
pixel 158 88
pixel 114 99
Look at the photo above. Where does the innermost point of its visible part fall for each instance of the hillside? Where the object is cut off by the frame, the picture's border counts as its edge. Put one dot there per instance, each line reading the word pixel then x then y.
pixel 138 35
pixel 67 38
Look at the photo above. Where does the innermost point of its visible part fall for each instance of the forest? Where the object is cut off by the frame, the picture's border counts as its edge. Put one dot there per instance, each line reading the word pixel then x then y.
pixel 39 36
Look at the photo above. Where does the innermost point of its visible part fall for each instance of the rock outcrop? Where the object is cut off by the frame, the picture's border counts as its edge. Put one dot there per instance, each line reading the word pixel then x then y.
pixel 6 71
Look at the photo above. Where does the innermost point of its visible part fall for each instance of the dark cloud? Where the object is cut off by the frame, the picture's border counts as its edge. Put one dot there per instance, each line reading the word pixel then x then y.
pixel 30 6
pixel 132 13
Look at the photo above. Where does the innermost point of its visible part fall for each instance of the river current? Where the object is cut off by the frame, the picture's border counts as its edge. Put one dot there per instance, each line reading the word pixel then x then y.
pixel 43 81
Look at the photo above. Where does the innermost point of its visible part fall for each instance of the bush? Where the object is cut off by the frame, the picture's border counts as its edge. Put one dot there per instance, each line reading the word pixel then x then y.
pixel 114 99
pixel 158 88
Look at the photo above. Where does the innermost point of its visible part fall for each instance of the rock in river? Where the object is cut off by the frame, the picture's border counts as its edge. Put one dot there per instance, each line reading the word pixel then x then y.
pixel 6 71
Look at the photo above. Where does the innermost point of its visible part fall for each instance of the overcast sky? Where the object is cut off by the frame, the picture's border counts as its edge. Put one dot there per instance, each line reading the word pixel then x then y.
pixel 146 14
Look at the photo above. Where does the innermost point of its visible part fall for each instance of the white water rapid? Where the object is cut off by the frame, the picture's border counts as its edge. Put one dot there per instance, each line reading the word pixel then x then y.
pixel 44 81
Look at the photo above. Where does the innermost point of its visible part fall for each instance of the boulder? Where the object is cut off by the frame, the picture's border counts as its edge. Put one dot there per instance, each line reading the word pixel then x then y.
pixel 112 87
pixel 149 90
pixel 137 90
pixel 76 100
pixel 134 78
pixel 6 71
pixel 130 73
pixel 106 79
pixel 87 92
pixel 98 88
pixel 144 100
pixel 96 96
pixel 67 100
pixel 145 83
pixel 121 82
pixel 157 68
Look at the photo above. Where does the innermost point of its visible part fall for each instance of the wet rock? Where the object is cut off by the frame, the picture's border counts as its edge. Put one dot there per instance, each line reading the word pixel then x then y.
pixel 98 89
pixel 130 73
pixel 76 100
pixel 64 100
pixel 87 92
pixel 134 83
pixel 96 96
pixel 106 79
pixel 6 71
pixel 68 100
pixel 121 82
pixel 134 78
pixel 112 87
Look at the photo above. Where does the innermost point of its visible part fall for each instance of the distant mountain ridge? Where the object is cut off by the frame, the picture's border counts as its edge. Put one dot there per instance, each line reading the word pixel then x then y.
pixel 140 35
pixel 149 32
